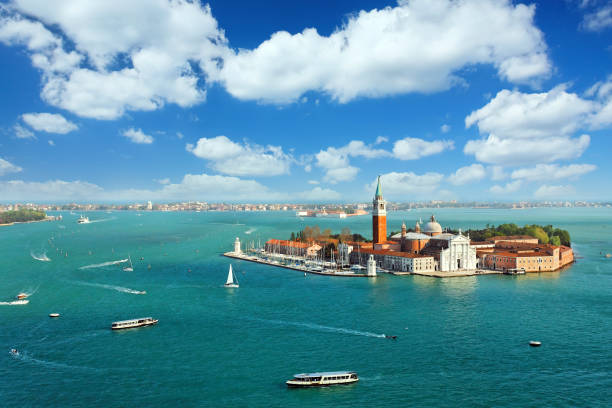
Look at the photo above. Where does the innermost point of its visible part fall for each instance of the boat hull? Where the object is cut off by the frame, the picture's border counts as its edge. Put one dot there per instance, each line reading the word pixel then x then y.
pixel 320 384
pixel 231 285
pixel 153 323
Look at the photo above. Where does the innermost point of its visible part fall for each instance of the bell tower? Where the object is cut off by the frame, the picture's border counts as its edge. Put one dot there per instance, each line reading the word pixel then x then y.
pixel 379 217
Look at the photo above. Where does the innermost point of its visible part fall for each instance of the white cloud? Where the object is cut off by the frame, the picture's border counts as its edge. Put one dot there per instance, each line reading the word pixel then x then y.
pixel 381 52
pixel 445 128
pixel 7 167
pixel 526 128
pixel 319 194
pixel 602 92
pixel 526 151
pixel 237 159
pixel 599 19
pixel 408 185
pixel 137 136
pixel 381 139
pixel 48 122
pixel 412 148
pixel 308 168
pixel 179 135
pixel 497 173
pixel 553 172
pixel 559 192
pixel 23 133
pixel 192 186
pixel 467 174
pixel 510 187
pixel 51 142
pixel 335 160
pixel 138 60
pixel 162 181
pixel 313 182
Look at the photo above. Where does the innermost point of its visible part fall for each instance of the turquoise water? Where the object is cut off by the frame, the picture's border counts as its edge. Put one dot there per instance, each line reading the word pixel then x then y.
pixel 461 341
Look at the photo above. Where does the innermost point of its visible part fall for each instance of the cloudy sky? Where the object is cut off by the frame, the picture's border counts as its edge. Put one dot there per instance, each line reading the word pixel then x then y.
pixel 306 100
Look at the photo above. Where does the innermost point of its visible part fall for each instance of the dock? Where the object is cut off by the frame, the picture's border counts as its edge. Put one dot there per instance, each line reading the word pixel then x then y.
pixel 256 259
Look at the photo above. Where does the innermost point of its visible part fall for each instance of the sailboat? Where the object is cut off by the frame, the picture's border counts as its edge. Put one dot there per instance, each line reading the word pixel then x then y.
pixel 129 268
pixel 231 281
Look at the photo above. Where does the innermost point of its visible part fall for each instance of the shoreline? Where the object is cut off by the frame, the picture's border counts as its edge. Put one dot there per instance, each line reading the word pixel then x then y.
pixel 28 222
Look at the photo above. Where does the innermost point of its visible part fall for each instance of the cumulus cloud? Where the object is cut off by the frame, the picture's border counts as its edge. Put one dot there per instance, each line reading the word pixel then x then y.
pixel 229 157
pixel 550 192
pixel 137 136
pixel 598 19
pixel 408 185
pixel 380 52
pixel 467 174
pixel 524 128
pixel 381 139
pixel 335 160
pixel 445 128
pixel 137 60
pixel 51 142
pixel 497 173
pixel 7 167
pixel 52 190
pixel 412 148
pixel 552 172
pixel 48 122
pixel 510 187
pixel 23 133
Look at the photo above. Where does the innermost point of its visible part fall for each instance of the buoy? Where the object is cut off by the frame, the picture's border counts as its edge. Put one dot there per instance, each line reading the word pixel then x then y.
pixel 54 315
pixel 533 343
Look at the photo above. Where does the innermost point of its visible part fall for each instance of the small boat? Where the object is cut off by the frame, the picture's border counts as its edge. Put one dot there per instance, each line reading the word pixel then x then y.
pixel 14 352
pixel 534 343
pixel 231 282
pixel 129 268
pixel 133 323
pixel 54 315
pixel 323 379
pixel 22 295
pixel 83 220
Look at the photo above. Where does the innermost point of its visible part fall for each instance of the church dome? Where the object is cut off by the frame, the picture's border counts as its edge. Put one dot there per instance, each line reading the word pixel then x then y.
pixel 432 227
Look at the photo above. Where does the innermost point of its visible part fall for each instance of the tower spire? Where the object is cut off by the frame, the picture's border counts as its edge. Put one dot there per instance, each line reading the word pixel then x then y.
pixel 378 189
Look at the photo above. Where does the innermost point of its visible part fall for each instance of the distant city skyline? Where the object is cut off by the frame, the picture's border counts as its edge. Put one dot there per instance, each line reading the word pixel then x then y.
pixel 304 102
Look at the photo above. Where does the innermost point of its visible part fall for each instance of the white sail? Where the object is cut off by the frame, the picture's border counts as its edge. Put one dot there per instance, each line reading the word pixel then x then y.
pixel 230 277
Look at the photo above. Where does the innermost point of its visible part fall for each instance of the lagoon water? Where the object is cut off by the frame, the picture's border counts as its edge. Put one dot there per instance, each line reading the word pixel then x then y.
pixel 461 341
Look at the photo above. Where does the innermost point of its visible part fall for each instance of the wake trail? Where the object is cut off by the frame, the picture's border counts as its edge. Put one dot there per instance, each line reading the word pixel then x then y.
pixel 40 256
pixel 101 220
pixel 26 358
pixel 15 302
pixel 111 287
pixel 250 230
pixel 103 264
pixel 314 326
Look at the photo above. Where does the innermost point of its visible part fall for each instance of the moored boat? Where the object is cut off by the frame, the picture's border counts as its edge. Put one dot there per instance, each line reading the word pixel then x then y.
pixel 322 379
pixel 133 323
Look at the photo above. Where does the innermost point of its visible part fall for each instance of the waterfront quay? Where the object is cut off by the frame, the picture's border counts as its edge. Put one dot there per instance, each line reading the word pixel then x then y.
pixel 301 264
pixel 291 262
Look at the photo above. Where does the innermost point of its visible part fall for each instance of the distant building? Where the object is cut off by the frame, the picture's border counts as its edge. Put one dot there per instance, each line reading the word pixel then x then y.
pixel 295 248
pixel 510 255
pixel 149 205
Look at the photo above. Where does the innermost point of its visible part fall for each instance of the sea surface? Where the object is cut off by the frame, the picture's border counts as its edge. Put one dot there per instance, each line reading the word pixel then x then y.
pixel 460 341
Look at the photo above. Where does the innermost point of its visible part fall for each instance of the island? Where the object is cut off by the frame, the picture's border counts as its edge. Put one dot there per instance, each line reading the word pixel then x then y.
pixel 24 215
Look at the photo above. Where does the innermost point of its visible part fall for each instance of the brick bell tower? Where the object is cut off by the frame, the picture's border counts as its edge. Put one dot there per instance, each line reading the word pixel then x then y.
pixel 379 217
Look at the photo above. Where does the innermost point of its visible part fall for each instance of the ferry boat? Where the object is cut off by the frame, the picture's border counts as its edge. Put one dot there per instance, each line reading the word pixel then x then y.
pixel 83 220
pixel 323 379
pixel 130 324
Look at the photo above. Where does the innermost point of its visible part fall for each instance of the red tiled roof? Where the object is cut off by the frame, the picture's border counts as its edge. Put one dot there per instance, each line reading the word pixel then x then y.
pixel 392 253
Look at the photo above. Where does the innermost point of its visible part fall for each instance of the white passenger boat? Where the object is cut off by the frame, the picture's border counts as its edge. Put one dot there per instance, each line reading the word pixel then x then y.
pixel 323 379
pixel 83 220
pixel 231 281
pixel 130 324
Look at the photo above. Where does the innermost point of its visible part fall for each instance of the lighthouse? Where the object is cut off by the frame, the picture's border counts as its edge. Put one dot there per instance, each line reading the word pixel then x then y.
pixel 371 268
pixel 379 217
pixel 237 249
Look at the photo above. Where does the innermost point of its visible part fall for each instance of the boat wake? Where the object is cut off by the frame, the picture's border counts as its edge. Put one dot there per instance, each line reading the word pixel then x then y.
pixel 250 230
pixel 26 358
pixel 40 256
pixel 329 329
pixel 102 220
pixel 15 302
pixel 112 287
pixel 103 264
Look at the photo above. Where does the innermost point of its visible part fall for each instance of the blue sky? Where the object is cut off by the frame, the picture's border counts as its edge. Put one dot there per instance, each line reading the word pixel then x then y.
pixel 305 101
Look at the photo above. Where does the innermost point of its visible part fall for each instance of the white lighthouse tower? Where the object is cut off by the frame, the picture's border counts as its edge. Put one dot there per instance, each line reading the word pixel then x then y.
pixel 237 249
pixel 371 269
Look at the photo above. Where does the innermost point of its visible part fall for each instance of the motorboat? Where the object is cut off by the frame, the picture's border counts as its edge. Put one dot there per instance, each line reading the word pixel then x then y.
pixel 14 352
pixel 22 295
pixel 54 315
pixel 322 379
pixel 133 323
pixel 534 343
pixel 83 220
